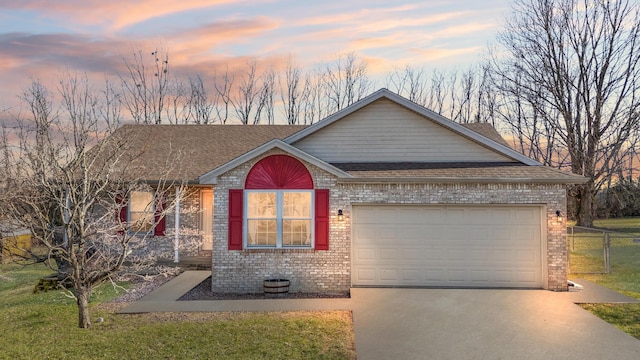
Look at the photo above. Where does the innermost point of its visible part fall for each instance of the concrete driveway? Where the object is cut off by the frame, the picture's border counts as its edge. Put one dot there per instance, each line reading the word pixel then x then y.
pixel 485 324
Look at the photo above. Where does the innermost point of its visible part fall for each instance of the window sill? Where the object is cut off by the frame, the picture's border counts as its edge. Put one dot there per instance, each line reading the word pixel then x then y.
pixel 282 250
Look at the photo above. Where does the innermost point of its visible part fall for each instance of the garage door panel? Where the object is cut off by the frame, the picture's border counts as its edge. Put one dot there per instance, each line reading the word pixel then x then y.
pixel 389 254
pixel 502 255
pixel 482 255
pixel 433 254
pixel 490 246
pixel 366 233
pixel 365 276
pixel 526 215
pixel 479 276
pixel 388 274
pixel 406 215
pixel 363 255
pixel 412 254
pixel 456 255
pixel 416 233
pixel 411 276
pixel 528 257
pixel 435 275
pixel 433 216
pixel 453 215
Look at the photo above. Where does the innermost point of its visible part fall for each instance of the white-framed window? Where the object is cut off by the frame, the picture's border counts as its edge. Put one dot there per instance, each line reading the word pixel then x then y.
pixel 278 219
pixel 141 211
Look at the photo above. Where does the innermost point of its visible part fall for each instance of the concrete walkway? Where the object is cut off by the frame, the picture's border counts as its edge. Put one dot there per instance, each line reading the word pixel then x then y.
pixel 596 294
pixel 400 323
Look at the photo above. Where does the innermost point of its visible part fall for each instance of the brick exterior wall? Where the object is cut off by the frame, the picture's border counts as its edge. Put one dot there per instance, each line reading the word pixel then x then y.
pixel 330 271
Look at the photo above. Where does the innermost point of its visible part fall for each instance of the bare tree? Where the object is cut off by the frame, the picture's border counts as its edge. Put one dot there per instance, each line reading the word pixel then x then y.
pixel 437 92
pixel 198 101
pixel 291 93
pixel 247 93
pixel 346 81
pixel 265 99
pixel 223 85
pixel 146 87
pixel 70 175
pixel 580 58
pixel 409 82
pixel 314 108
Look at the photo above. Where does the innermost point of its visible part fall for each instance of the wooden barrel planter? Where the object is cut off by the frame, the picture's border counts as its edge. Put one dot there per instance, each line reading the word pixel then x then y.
pixel 276 286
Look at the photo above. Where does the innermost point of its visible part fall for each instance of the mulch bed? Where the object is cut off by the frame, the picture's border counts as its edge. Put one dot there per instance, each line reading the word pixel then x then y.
pixel 203 292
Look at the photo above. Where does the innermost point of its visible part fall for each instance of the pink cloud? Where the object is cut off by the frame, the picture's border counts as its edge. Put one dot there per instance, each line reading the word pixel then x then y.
pixel 439 54
pixel 115 14
pixel 199 43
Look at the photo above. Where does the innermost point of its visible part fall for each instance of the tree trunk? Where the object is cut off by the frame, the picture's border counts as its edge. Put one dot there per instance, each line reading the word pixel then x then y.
pixel 84 318
pixel 584 202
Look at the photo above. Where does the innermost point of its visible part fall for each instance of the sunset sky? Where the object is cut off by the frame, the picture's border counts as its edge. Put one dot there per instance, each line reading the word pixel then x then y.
pixel 41 38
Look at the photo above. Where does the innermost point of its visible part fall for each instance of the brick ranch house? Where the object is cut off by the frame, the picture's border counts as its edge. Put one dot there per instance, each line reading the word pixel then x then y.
pixel 381 193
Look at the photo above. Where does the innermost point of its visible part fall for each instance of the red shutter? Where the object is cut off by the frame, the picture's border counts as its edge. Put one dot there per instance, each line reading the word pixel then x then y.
pixel 159 217
pixel 122 212
pixel 322 219
pixel 236 205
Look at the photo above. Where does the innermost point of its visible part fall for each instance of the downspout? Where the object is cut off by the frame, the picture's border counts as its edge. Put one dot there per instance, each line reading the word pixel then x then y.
pixel 176 239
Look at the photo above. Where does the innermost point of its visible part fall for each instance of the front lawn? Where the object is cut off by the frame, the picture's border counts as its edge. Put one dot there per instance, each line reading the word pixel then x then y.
pixel 625 317
pixel 44 325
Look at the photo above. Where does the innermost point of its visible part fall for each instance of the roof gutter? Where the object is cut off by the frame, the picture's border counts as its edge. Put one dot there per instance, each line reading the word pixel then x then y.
pixel 457 180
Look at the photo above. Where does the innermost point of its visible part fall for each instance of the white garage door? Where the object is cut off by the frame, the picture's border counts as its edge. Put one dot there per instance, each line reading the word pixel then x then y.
pixel 488 246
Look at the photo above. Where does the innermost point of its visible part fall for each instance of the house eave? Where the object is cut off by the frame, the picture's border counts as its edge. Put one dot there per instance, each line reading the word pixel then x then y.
pixel 457 180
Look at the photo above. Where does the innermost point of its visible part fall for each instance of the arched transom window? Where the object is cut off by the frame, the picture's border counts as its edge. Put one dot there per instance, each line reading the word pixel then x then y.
pixel 279 208
pixel 279 204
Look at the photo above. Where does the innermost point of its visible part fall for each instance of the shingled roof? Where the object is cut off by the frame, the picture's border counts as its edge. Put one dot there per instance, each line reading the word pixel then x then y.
pixel 458 172
pixel 188 151
pixel 185 152
pixel 488 131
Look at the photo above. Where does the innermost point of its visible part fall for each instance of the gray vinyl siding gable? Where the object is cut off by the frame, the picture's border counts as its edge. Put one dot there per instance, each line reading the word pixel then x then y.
pixel 384 131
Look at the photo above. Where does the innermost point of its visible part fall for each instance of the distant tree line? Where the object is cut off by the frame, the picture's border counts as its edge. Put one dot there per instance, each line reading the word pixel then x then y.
pixel 619 200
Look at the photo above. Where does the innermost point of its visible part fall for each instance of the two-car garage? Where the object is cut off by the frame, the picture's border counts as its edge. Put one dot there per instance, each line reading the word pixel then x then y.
pixel 447 246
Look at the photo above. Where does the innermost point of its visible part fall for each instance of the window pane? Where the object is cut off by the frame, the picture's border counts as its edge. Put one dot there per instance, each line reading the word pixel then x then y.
pixel 141 221
pixel 141 211
pixel 261 205
pixel 141 201
pixel 261 232
pixel 296 205
pixel 296 232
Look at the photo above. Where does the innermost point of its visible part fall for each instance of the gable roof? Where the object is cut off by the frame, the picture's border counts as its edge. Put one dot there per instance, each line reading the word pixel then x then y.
pixel 211 177
pixel 491 140
pixel 189 151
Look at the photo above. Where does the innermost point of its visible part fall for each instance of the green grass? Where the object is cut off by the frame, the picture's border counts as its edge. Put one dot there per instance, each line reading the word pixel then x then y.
pixel 625 317
pixel 586 256
pixel 44 325
pixel 625 271
pixel 629 225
